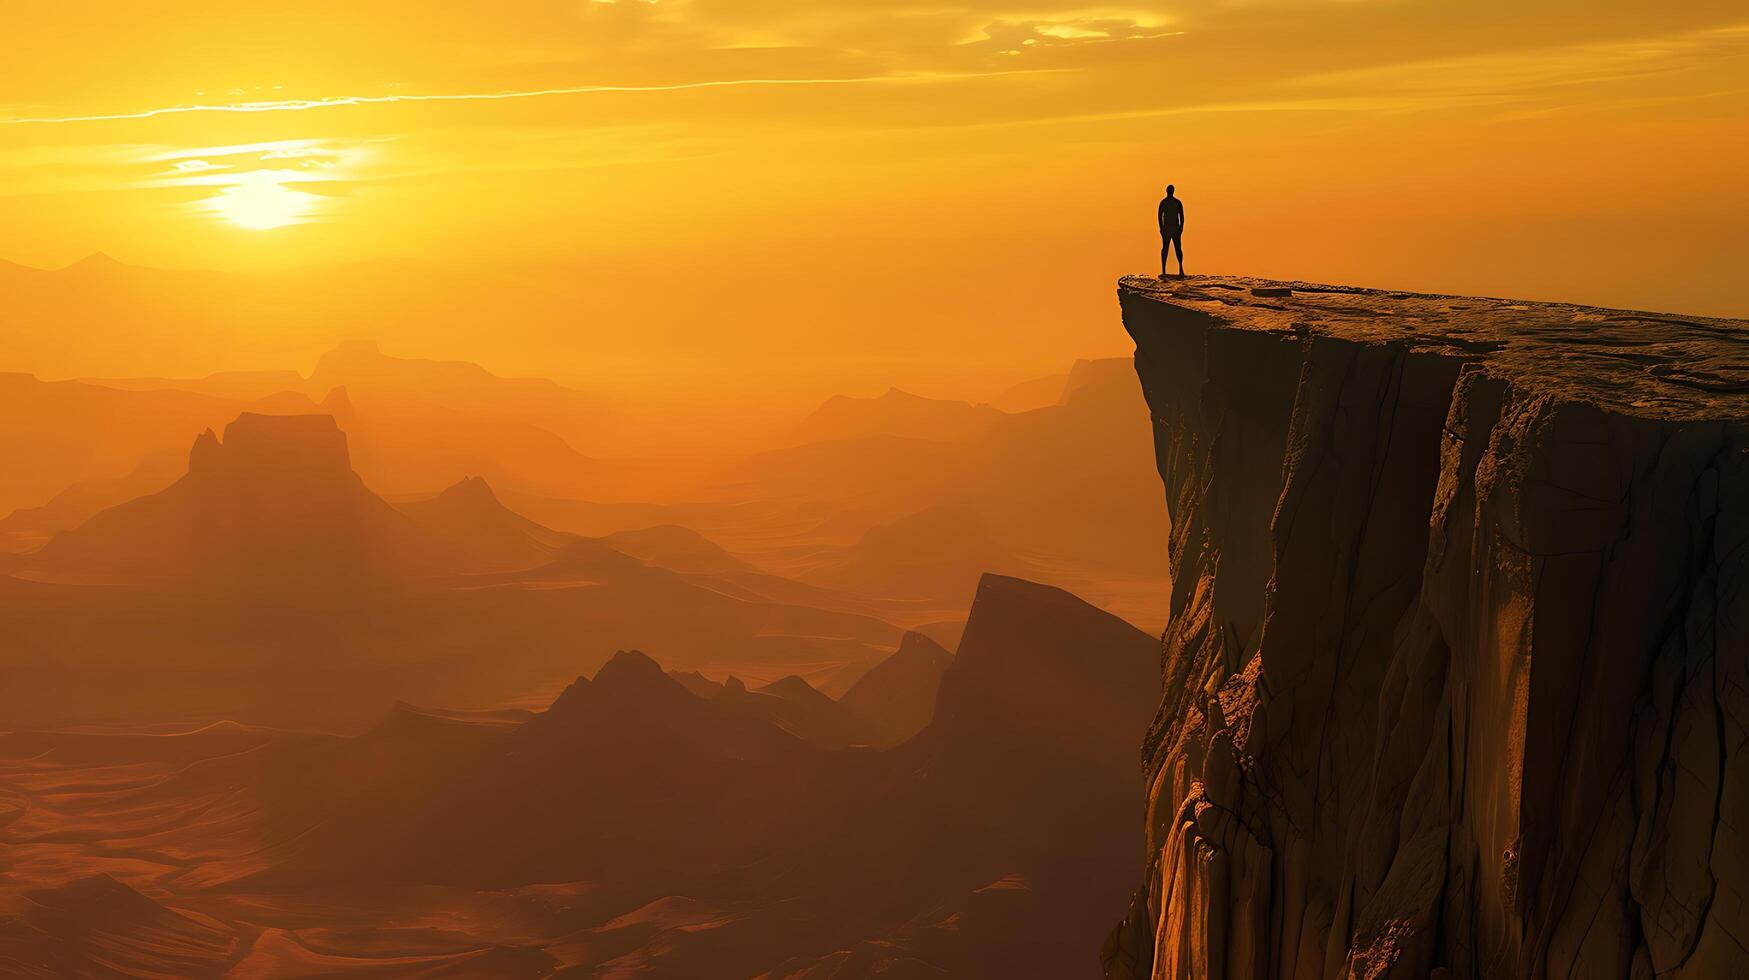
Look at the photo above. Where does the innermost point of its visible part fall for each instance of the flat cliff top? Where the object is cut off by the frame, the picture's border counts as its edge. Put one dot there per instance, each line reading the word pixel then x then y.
pixel 1649 364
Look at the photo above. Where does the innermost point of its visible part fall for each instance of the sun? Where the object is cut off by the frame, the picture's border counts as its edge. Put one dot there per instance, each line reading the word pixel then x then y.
pixel 261 201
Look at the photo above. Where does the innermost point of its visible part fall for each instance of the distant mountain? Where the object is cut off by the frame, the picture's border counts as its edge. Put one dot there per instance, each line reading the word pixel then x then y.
pixel 222 384
pixel 28 528
pixel 275 504
pixel 793 705
pixel 674 547
pixel 361 365
pixel 873 479
pixel 402 446
pixel 896 698
pixel 96 926
pixel 1104 372
pixel 697 683
pixel 54 434
pixel 896 413
pixel 468 520
pixel 415 425
pixel 459 601
pixel 938 554
pixel 1028 395
pixel 398 445
pixel 100 317
pixel 1074 480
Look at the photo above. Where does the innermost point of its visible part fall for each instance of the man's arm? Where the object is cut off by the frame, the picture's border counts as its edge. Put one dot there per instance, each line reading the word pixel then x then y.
pixel 1160 215
pixel 1181 218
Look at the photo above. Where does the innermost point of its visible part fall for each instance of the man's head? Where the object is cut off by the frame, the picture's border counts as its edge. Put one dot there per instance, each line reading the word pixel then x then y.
pixel 1169 189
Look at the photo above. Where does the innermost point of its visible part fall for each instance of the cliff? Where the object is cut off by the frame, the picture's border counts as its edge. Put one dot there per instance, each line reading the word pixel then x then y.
pixel 1456 680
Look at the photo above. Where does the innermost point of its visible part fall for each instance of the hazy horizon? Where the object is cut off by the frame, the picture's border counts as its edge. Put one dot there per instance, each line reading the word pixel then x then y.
pixel 913 195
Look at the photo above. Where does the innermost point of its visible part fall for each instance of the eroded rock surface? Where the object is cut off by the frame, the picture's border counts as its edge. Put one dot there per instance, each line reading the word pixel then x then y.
pixel 1457 677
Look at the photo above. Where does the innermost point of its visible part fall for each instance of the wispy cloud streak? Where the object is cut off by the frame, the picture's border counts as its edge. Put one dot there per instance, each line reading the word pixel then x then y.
pixel 304 105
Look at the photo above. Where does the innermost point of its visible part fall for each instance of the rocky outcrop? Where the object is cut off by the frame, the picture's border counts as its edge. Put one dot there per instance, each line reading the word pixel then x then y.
pixel 896 698
pixel 468 519
pixel 273 506
pixel 1456 680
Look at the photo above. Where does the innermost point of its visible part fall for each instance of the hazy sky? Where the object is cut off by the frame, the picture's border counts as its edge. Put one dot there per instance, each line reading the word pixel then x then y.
pixel 893 185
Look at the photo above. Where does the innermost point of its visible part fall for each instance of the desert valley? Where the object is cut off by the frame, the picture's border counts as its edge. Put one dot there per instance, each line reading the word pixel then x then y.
pixel 389 664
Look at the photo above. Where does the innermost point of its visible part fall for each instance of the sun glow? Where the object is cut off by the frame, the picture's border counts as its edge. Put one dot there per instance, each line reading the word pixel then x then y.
pixel 261 201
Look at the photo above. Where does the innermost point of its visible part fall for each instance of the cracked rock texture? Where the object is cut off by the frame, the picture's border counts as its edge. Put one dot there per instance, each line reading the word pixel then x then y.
pixel 1457 676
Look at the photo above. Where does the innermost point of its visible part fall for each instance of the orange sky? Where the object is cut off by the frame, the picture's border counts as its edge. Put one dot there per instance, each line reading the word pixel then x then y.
pixel 889 191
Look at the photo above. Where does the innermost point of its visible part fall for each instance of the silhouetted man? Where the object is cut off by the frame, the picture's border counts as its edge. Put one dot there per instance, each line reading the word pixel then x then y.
pixel 1171 230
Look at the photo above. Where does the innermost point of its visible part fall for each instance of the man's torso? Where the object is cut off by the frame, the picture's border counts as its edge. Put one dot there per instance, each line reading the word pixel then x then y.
pixel 1171 217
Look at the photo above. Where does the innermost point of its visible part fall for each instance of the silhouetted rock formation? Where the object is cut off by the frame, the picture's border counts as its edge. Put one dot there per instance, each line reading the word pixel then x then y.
pixel 937 553
pixel 627 776
pixel 71 431
pixel 896 698
pixel 792 705
pixel 276 504
pixel 1000 833
pixel 896 413
pixel 1106 373
pixel 469 520
pixel 634 825
pixel 1455 679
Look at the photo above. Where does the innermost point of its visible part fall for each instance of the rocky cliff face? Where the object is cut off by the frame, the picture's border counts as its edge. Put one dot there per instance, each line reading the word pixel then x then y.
pixel 1457 677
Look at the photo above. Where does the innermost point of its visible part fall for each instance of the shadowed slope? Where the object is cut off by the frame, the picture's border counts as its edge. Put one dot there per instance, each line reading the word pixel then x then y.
pixel 470 521
pixel 896 698
pixel 97 926
pixel 29 528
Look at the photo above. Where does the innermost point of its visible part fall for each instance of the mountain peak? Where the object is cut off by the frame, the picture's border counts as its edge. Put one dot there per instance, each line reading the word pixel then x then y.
pixel 206 452
pixel 1032 653
pixel 793 688
pixel 95 262
pixel 631 668
pixel 573 694
pixel 471 489
pixel 896 698
pixel 338 402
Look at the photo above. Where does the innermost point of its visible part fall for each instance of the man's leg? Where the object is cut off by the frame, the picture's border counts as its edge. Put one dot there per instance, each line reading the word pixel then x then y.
pixel 1178 244
pixel 1165 250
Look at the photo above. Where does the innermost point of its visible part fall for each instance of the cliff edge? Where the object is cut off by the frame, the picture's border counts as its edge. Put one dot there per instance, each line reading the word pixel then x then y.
pixel 1457 674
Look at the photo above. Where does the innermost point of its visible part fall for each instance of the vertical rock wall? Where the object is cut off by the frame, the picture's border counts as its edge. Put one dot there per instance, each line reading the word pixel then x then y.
pixel 1457 677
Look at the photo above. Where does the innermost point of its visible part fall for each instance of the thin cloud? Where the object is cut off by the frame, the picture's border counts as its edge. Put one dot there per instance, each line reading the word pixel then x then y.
pixel 304 105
